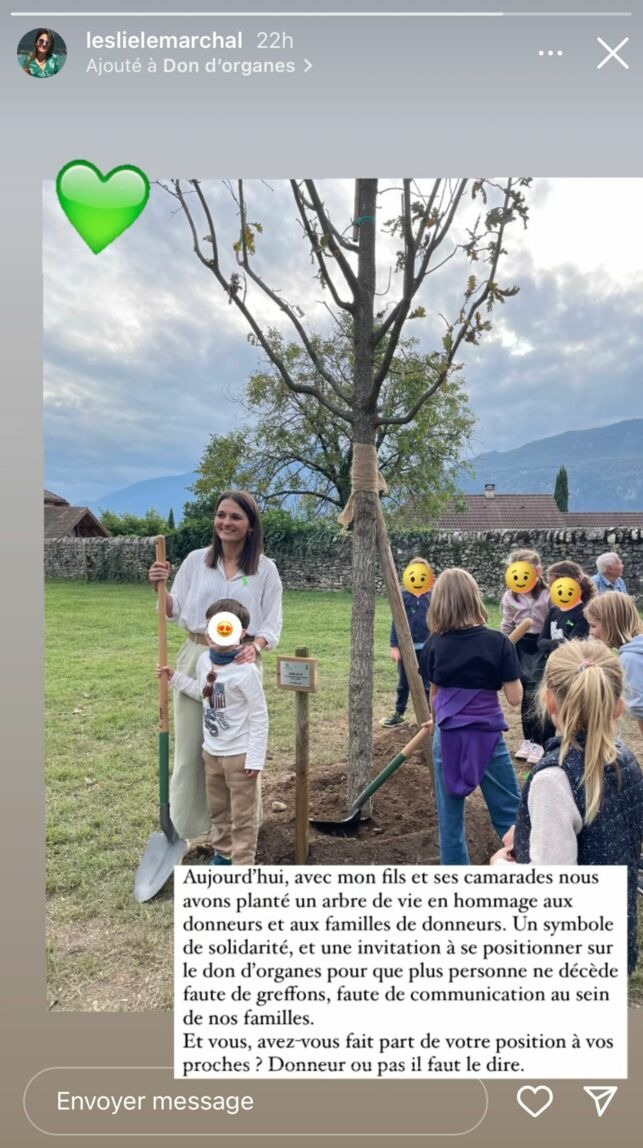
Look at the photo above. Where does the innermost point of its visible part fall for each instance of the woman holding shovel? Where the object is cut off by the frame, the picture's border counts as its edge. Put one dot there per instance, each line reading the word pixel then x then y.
pixel 234 566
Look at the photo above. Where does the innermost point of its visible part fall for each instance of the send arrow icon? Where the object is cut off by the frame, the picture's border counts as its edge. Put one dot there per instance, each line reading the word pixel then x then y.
pixel 602 1095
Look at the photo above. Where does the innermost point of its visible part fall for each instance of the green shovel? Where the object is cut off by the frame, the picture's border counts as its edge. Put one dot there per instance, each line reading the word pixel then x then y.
pixel 165 849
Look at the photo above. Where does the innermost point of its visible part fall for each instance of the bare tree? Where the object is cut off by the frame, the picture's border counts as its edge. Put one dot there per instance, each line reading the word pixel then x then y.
pixel 345 262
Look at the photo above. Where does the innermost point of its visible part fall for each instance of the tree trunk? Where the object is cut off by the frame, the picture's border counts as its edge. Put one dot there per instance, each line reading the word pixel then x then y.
pixel 360 687
pixel 360 699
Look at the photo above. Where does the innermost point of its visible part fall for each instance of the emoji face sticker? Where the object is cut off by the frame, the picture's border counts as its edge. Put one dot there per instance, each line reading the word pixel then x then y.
pixel 418 578
pixel 224 629
pixel 521 577
pixel 566 593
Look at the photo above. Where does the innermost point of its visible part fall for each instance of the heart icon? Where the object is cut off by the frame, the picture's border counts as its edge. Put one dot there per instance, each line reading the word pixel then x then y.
pixel 527 1099
pixel 101 207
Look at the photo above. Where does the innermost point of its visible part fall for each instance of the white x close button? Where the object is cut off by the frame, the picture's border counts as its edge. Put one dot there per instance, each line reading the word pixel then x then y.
pixel 613 53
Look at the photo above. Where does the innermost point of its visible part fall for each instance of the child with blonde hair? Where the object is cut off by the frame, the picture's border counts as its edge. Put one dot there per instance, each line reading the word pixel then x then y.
pixel 583 803
pixel 614 619
pixel 466 664
pixel 517 608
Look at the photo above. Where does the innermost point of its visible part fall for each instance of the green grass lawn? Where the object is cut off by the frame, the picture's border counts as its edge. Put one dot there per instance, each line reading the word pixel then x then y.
pixel 102 697
pixel 102 755
pixel 105 950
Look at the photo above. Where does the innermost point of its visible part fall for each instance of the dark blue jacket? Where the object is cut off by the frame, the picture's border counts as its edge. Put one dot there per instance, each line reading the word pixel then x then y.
pixel 416 612
pixel 614 836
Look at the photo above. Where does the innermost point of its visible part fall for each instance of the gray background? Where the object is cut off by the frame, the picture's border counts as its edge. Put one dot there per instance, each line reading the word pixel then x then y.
pixel 438 96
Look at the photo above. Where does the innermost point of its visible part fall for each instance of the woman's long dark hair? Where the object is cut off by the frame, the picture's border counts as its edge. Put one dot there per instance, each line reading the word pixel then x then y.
pixel 253 549
pixel 50 36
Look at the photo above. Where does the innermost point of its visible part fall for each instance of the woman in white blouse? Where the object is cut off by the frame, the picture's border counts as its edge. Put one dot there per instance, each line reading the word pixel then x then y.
pixel 234 566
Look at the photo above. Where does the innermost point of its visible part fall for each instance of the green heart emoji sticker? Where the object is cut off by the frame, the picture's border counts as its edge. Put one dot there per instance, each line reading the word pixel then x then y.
pixel 101 207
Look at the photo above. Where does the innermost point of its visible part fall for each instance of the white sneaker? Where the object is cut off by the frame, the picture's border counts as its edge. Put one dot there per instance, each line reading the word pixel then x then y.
pixel 537 752
pixel 523 753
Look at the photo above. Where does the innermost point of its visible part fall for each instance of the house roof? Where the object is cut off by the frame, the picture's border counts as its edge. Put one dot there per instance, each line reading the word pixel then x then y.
pixel 504 512
pixel 604 518
pixel 52 499
pixel 61 521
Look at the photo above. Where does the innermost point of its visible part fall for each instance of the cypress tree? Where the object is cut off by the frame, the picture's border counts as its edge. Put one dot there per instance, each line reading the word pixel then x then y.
pixel 561 490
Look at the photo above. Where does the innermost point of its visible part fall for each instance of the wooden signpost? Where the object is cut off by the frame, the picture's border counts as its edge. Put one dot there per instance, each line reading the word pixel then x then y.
pixel 300 675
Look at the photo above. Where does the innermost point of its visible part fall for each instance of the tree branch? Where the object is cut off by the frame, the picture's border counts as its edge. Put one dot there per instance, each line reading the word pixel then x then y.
pixel 464 325
pixel 317 251
pixel 233 294
pixel 320 494
pixel 333 238
pixel 416 279
pixel 244 261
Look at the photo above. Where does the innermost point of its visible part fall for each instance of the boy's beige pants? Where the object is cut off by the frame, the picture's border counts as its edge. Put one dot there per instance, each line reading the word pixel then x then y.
pixel 233 807
pixel 187 783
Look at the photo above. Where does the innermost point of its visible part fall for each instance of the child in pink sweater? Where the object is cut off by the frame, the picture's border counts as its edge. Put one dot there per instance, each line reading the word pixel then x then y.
pixel 516 607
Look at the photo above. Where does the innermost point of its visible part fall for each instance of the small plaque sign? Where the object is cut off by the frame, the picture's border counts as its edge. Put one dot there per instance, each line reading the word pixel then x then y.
pixel 297 674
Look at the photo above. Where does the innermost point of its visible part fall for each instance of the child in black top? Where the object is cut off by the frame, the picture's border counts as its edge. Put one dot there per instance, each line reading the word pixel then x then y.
pixel 418 574
pixel 562 625
pixel 467 664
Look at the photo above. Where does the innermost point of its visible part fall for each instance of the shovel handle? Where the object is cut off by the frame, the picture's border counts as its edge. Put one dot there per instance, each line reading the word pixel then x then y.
pixel 520 631
pixel 388 771
pixel 415 742
pixel 162 609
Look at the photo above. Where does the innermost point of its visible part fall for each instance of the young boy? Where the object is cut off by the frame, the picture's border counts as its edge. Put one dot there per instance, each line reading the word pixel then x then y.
pixel 235 732
pixel 417 581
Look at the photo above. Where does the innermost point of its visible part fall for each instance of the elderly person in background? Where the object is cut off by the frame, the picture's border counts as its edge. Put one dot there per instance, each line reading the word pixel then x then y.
pixel 610 569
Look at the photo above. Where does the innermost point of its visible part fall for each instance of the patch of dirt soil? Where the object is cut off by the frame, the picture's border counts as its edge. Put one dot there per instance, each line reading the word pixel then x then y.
pixel 403 828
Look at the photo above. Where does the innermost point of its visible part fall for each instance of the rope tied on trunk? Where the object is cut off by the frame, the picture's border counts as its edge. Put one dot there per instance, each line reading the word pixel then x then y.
pixel 365 475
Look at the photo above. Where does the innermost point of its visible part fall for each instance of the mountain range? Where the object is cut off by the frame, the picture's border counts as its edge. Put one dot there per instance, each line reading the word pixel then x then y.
pixel 163 494
pixel 604 469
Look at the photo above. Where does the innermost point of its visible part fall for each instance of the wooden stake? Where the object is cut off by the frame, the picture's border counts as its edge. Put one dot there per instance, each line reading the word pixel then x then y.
pixel 302 762
pixel 404 639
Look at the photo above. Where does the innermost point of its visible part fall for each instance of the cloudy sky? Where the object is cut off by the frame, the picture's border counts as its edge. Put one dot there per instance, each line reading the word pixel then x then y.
pixel 144 358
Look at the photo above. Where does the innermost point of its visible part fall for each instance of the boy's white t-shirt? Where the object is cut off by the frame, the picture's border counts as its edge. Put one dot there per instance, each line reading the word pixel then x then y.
pixel 238 721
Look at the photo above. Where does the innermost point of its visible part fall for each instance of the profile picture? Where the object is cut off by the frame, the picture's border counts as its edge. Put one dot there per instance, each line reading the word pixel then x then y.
pixel 42 53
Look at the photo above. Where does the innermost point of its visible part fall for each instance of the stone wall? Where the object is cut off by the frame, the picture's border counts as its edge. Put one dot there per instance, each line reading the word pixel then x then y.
pixel 325 564
pixel 121 559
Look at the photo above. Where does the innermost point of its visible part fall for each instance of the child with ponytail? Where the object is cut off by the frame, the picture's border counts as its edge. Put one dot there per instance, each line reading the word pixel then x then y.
pixel 583 803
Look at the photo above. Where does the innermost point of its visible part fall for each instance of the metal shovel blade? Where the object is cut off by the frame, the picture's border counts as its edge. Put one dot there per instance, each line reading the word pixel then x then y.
pixel 349 825
pixel 346 828
pixel 157 864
